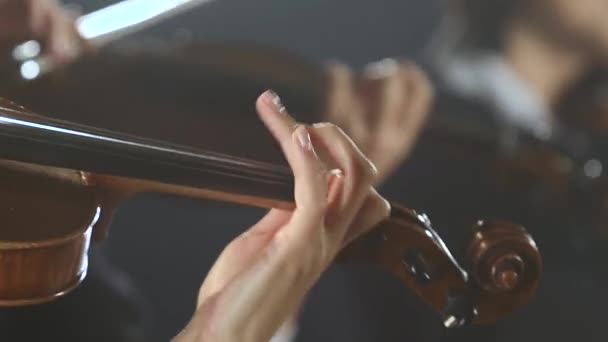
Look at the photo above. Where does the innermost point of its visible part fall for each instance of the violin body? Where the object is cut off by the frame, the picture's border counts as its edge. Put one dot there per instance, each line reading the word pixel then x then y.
pixel 47 223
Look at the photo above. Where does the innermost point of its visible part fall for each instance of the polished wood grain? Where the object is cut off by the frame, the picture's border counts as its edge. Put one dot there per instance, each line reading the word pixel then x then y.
pixel 47 219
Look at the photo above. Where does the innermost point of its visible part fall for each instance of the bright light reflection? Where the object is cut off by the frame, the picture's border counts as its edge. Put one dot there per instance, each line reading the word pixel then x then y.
pixel 27 50
pixel 593 168
pixel 122 15
pixel 30 70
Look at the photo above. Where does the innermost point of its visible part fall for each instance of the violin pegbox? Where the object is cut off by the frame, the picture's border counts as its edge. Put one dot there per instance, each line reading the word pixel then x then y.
pixel 503 266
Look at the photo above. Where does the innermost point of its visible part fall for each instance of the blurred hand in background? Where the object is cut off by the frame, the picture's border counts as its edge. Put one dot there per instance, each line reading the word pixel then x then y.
pixel 45 21
pixel 382 110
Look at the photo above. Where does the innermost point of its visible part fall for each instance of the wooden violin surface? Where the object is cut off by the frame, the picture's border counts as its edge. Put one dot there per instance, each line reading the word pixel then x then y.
pixel 46 227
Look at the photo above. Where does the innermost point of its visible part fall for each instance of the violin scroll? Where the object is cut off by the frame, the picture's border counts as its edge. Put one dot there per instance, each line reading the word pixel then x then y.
pixel 505 263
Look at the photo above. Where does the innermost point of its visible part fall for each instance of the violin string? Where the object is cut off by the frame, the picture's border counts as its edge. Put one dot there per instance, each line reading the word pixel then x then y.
pixel 76 138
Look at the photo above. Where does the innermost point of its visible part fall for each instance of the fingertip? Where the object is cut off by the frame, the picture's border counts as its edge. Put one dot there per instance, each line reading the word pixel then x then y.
pixel 383 69
pixel 385 207
pixel 378 207
pixel 274 115
pixel 262 100
pixel 270 102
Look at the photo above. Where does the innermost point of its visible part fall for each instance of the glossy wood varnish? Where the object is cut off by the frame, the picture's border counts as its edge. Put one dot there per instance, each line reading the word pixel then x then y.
pixel 46 228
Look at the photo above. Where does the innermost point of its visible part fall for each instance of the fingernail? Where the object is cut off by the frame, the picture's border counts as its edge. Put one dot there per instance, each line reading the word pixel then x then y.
pixel 274 100
pixel 321 124
pixel 336 173
pixel 303 138
pixel 381 69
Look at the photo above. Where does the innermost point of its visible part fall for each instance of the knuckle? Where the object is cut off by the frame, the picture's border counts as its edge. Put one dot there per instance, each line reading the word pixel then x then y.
pixel 381 206
pixel 362 169
pixel 357 165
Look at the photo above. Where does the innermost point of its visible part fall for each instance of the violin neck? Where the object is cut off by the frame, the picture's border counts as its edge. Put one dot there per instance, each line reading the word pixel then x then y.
pixel 49 142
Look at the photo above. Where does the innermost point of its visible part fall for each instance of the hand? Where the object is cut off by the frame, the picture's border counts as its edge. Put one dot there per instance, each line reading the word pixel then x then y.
pixel 261 278
pixel 42 20
pixel 383 111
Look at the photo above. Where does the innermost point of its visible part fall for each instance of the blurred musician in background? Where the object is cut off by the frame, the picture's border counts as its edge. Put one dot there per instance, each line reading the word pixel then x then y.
pixel 501 71
pixel 520 59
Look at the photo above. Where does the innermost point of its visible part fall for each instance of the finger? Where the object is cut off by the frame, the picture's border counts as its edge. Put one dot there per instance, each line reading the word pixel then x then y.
pixel 380 80
pixel 274 115
pixel 358 172
pixel 384 94
pixel 374 209
pixel 340 93
pixel 345 107
pixel 407 101
pixel 393 95
pixel 61 37
pixel 420 95
pixel 59 44
pixel 310 183
pixel 38 15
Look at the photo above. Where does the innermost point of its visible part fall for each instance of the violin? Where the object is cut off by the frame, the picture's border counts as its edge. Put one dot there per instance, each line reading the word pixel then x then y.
pixel 61 181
